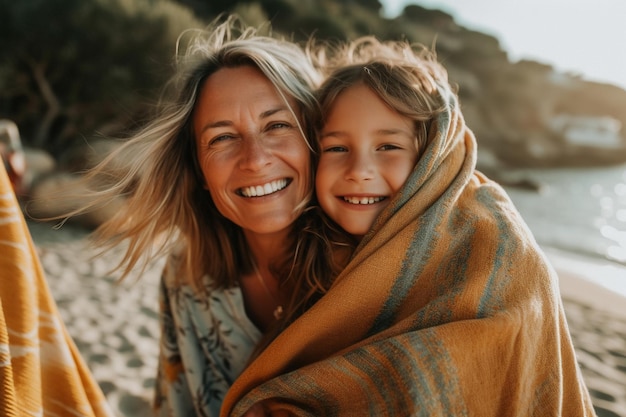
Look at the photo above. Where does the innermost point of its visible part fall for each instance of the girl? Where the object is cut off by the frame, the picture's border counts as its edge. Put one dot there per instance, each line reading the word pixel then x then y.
pixel 447 306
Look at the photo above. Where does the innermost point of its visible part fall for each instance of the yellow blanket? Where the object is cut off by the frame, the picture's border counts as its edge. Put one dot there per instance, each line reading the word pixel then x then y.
pixel 448 308
pixel 41 371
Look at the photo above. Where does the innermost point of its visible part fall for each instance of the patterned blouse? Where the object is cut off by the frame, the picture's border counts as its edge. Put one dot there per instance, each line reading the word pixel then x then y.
pixel 205 344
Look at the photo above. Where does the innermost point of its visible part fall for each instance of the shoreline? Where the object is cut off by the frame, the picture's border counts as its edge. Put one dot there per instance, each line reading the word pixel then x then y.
pixel 603 273
pixel 115 325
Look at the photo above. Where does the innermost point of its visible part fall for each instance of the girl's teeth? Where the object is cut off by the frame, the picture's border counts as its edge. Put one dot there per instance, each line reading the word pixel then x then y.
pixel 265 189
pixel 362 200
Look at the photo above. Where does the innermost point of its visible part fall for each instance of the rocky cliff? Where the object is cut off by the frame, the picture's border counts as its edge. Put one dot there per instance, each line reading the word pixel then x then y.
pixel 512 106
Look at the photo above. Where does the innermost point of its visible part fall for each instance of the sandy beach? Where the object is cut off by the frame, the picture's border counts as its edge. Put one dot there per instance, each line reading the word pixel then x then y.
pixel 115 325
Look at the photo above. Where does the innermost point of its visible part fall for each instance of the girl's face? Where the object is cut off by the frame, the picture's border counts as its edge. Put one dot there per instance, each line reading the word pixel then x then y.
pixel 255 162
pixel 368 151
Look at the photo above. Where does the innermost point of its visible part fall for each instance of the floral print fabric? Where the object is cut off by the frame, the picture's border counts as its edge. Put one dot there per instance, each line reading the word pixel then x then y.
pixel 205 344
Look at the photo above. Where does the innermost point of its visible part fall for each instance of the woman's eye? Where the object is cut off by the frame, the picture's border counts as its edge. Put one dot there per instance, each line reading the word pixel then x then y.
pixel 220 138
pixel 278 125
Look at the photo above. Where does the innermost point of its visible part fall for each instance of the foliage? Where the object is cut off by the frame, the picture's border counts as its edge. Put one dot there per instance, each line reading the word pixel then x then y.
pixel 70 68
pixel 88 68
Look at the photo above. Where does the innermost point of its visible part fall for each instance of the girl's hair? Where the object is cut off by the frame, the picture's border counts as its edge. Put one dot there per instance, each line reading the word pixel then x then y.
pixel 157 170
pixel 407 77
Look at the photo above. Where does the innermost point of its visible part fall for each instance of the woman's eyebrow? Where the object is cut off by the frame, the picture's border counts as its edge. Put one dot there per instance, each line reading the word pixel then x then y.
pixel 271 112
pixel 219 123
pixel 226 123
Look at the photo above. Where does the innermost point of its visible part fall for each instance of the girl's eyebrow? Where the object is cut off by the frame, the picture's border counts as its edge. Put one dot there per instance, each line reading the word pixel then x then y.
pixel 331 133
pixel 335 133
pixel 226 123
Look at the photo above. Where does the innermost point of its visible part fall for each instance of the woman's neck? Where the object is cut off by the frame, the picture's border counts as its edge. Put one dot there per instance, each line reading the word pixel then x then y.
pixel 267 247
pixel 264 297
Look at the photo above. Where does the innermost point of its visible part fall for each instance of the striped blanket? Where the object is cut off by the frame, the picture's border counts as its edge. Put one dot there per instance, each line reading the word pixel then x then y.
pixel 448 308
pixel 41 371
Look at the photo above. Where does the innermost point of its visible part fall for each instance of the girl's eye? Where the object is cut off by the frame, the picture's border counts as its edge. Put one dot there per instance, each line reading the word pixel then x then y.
pixel 335 149
pixel 388 147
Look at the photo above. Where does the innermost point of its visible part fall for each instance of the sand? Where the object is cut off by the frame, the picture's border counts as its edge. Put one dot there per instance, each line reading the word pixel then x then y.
pixel 115 325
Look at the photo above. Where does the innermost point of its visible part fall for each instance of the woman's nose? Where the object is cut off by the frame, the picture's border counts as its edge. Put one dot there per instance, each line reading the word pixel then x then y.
pixel 254 154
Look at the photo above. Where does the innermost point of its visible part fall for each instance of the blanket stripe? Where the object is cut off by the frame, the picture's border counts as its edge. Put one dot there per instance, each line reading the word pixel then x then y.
pixel 447 308
pixel 41 370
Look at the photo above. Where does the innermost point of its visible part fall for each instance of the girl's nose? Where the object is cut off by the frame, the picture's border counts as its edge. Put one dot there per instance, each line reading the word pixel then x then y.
pixel 360 168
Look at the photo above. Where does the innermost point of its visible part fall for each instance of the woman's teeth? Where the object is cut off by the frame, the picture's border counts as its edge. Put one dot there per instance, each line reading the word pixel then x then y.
pixel 265 189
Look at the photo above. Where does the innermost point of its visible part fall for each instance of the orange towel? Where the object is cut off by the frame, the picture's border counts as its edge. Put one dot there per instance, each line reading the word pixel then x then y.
pixel 448 308
pixel 41 371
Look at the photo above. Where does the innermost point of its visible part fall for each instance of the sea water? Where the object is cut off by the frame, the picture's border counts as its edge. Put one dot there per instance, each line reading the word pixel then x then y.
pixel 580 212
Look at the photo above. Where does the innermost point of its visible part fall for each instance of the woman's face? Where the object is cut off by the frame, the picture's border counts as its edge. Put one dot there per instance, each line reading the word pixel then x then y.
pixel 254 160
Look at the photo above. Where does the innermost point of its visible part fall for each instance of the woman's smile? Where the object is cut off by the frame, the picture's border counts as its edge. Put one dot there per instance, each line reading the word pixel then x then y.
pixel 264 189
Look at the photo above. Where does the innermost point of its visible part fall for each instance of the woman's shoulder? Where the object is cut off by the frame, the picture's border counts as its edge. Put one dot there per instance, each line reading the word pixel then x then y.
pixel 171 267
pixel 175 274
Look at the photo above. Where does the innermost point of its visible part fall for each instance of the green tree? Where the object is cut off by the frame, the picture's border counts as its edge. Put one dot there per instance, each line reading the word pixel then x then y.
pixel 71 67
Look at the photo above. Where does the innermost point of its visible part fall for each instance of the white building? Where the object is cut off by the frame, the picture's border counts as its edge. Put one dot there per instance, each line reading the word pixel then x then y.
pixel 598 131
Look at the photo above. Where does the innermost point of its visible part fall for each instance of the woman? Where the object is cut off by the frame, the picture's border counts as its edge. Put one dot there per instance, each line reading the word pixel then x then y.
pixel 447 307
pixel 221 180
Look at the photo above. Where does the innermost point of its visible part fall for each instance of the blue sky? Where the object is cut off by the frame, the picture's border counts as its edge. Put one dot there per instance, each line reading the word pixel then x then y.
pixel 586 37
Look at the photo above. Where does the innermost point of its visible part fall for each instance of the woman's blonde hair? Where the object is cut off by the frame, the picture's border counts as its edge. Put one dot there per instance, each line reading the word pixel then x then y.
pixel 157 170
